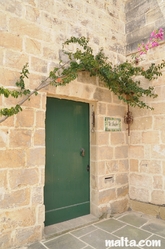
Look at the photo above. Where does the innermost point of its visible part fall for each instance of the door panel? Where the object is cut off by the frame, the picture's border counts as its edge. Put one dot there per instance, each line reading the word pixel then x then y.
pixel 67 179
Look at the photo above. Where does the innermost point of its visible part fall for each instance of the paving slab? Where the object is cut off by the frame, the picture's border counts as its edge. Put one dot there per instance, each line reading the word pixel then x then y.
pixel 83 231
pixel 155 228
pixel 132 233
pixel 97 238
pixel 37 245
pixel 110 225
pixel 66 241
pixel 133 219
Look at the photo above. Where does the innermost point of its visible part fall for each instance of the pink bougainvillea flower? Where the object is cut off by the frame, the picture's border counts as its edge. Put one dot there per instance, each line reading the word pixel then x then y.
pixel 155 37
pixel 154 44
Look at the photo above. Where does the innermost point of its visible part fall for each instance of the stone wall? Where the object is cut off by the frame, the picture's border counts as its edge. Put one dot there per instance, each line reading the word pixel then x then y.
pixel 146 150
pixel 142 17
pixel 33 31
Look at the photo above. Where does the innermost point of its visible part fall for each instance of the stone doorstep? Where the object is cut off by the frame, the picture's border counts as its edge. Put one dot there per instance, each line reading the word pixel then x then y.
pixel 66 226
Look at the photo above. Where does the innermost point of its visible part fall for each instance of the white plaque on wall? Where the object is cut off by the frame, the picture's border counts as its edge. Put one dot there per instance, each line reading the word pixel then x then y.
pixel 112 124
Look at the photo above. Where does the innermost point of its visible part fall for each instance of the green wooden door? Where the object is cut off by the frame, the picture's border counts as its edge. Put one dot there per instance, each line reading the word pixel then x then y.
pixel 66 189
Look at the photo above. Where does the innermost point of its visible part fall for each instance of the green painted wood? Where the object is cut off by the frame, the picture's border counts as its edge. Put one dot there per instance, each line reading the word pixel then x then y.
pixel 66 189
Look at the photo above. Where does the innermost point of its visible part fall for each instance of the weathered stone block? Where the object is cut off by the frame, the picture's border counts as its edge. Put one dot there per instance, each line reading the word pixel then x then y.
pixel 85 77
pixel 117 138
pixel 3 21
pixel 39 137
pixel 134 165
pixel 119 206
pixel 162 213
pixel 162 136
pixel 141 194
pixel 32 46
pixel 122 191
pixel 15 8
pixel 21 217
pixel 122 178
pixel 158 182
pixel 4 138
pixel 17 198
pixel 121 151
pixel 35 102
pixel 41 214
pixel 94 182
pixel 151 166
pixel 40 119
pixel 32 14
pixel 102 95
pixel 123 165
pixel 50 53
pixel 100 123
pixel 102 138
pixel 136 137
pixel 37 195
pixel 159 108
pixel 12 158
pixel 153 15
pixel 105 153
pixel 93 152
pixel 132 25
pixel 145 208
pixel 20 138
pixel 136 152
pixel 142 123
pixel 3 180
pixel 8 77
pixel 150 137
pixel 158 197
pixel 36 157
pixel 6 240
pixel 97 168
pixel 27 235
pixel 83 92
pixel 106 196
pixel 15 59
pixel 130 5
pixel 23 27
pixel 140 180
pixel 25 118
pixel 158 151
pixel 49 6
pixel 23 177
pixel 11 41
pixel 38 65
pixel 111 166
pixel 115 110
pixel 102 108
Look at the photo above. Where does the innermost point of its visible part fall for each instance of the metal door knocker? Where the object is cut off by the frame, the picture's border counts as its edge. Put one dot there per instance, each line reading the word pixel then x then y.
pixel 82 152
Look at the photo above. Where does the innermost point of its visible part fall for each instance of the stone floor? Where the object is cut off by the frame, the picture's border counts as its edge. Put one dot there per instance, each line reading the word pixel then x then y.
pixel 96 233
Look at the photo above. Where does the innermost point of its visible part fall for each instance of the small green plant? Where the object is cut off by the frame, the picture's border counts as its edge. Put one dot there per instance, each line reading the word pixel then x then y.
pixel 121 79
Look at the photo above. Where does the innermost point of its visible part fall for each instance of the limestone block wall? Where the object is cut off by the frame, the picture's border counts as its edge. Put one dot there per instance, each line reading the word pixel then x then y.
pixel 146 150
pixel 142 17
pixel 32 31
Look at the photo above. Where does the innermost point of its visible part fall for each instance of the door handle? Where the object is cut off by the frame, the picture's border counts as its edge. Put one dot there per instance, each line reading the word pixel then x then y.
pixel 88 167
pixel 82 152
